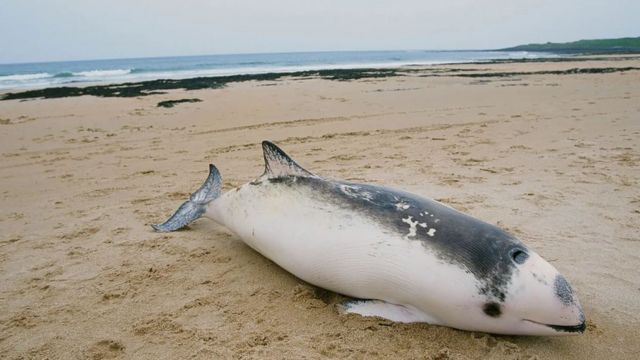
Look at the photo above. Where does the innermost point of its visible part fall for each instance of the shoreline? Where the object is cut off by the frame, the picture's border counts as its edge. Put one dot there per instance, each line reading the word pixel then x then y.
pixel 160 86
pixel 142 69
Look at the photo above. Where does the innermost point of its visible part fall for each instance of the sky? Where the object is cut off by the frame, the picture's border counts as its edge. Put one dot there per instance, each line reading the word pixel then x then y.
pixel 58 30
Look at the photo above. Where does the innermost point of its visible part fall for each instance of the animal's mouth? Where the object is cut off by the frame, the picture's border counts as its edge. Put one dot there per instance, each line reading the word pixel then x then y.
pixel 580 328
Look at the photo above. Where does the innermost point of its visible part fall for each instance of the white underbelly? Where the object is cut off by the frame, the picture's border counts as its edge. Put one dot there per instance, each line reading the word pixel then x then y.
pixel 332 247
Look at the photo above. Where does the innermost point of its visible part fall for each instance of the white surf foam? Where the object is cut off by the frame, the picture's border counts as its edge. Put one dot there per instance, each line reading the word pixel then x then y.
pixel 24 77
pixel 103 73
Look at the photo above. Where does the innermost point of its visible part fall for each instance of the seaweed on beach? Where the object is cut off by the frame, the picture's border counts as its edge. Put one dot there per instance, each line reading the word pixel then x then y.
pixel 551 72
pixel 154 87
pixel 172 103
pixel 570 57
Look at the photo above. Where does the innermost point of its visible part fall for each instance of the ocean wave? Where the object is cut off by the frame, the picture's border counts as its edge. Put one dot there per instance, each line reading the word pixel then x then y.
pixel 530 55
pixel 63 75
pixel 252 63
pixel 102 73
pixel 25 77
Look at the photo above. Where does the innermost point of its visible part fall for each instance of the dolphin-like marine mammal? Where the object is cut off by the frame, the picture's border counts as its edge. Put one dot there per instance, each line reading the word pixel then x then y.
pixel 409 258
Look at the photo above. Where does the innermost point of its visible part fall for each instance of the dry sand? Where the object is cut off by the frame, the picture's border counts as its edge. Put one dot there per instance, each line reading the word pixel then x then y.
pixel 554 159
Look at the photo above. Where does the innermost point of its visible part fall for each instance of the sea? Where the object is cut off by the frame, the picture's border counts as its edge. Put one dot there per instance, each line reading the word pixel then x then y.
pixel 50 74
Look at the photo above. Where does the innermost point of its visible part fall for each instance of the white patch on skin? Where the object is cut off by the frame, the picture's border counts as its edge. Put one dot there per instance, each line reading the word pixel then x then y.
pixel 412 227
pixel 354 192
pixel 402 206
pixel 436 221
pixel 366 195
pixel 349 190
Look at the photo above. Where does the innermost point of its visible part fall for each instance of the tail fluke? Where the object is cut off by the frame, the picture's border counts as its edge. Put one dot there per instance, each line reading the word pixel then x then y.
pixel 196 206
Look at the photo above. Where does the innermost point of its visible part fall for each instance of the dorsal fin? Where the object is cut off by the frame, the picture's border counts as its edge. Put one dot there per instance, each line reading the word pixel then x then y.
pixel 277 163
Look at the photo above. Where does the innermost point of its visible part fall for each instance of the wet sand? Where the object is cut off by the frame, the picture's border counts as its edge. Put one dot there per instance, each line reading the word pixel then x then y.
pixel 554 159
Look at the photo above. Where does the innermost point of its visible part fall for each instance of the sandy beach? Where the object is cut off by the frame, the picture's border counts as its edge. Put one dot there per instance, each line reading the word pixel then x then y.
pixel 552 158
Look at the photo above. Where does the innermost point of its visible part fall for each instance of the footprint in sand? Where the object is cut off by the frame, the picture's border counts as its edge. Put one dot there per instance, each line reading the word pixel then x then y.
pixel 24 319
pixel 105 349
pixel 82 233
pixel 20 120
pixel 10 239
pixel 120 231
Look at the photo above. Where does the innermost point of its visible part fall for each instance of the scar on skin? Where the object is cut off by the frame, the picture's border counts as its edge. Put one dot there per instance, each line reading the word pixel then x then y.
pixel 402 206
pixel 412 227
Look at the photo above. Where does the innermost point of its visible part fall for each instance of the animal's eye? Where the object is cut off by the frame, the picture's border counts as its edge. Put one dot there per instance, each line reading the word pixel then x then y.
pixel 519 256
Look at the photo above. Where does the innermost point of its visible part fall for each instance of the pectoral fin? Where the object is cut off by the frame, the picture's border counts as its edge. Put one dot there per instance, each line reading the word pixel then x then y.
pixel 385 310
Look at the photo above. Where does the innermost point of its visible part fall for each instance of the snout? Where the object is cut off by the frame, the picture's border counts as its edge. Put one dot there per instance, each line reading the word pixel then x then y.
pixel 558 313
pixel 544 301
pixel 563 314
pixel 572 319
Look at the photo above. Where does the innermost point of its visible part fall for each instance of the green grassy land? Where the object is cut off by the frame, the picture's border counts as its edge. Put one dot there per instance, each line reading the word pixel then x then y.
pixel 621 45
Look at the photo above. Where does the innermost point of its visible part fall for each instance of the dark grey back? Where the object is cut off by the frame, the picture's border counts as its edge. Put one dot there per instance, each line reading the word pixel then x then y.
pixel 478 247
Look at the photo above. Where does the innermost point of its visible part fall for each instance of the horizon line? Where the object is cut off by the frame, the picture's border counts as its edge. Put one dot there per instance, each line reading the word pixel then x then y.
pixel 234 53
pixel 291 52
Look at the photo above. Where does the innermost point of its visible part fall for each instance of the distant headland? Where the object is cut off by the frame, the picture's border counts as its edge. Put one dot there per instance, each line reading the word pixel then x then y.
pixel 597 46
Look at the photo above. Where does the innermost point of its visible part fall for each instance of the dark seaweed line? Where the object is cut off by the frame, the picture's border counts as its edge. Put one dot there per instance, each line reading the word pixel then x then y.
pixel 154 87
pixel 571 58
pixel 551 72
